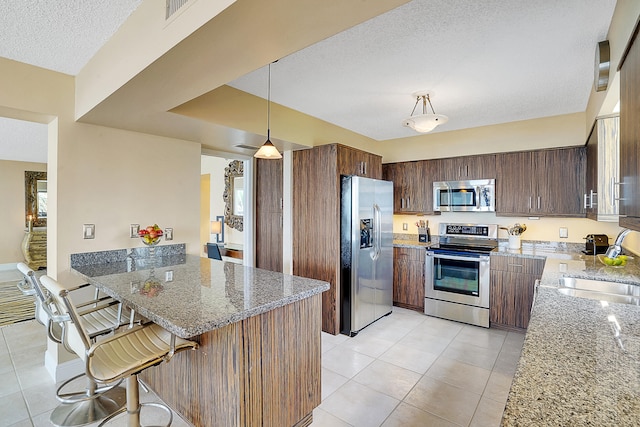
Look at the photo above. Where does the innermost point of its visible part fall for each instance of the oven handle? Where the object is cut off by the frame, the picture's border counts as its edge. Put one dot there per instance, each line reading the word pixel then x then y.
pixel 481 258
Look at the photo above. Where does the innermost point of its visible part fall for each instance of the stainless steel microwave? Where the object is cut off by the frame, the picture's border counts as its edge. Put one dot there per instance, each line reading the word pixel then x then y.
pixel 476 195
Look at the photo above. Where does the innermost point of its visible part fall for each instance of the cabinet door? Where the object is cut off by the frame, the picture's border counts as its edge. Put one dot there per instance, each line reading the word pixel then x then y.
pixel 409 187
pixel 360 163
pixel 513 186
pixel 591 175
pixel 408 278
pixel 468 167
pixel 502 301
pixel 269 214
pixel 559 176
pixel 630 138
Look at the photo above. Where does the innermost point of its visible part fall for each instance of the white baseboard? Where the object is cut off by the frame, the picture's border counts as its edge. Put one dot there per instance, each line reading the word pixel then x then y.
pixel 62 371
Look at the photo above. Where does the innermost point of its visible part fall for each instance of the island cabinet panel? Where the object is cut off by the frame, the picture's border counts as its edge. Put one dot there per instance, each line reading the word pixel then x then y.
pixel 412 185
pixel 269 214
pixel 316 217
pixel 408 278
pixel 468 167
pixel 630 136
pixel 261 371
pixel 512 290
pixel 542 183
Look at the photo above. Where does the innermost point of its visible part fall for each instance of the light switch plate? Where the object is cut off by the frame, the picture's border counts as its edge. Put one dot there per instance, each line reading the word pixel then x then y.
pixel 89 231
pixel 564 232
pixel 405 226
pixel 133 230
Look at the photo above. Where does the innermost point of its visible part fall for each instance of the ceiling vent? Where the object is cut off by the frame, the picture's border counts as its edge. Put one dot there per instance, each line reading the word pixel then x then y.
pixel 174 5
pixel 247 147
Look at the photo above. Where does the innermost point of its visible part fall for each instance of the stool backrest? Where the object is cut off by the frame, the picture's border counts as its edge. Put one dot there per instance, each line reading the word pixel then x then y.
pixel 75 338
pixel 38 292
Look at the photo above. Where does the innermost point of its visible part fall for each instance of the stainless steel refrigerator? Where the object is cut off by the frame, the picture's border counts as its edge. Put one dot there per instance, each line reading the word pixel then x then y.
pixel 366 252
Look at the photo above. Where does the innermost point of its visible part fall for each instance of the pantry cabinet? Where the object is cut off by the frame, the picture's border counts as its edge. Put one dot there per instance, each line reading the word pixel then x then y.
pixel 268 237
pixel 541 183
pixel 408 278
pixel 316 216
pixel 512 290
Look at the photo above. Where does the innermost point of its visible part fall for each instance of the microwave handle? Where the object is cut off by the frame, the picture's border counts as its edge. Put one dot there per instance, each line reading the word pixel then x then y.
pixel 478 196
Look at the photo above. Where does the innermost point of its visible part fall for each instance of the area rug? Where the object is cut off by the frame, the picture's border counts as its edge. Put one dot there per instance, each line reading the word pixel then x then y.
pixel 14 306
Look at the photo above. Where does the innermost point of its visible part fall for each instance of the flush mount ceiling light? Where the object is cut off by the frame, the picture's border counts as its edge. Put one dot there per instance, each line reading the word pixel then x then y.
pixel 268 150
pixel 425 122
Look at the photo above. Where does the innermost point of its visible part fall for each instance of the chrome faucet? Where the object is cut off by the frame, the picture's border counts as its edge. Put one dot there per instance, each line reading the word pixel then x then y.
pixel 615 249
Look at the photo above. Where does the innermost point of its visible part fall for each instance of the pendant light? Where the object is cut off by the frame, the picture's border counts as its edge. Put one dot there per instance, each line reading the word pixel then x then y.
pixel 425 122
pixel 268 150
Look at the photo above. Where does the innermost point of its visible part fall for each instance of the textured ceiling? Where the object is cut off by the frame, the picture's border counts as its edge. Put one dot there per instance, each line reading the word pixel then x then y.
pixel 487 62
pixel 59 35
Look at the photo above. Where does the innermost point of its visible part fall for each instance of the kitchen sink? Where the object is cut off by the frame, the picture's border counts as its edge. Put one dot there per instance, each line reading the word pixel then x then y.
pixel 600 290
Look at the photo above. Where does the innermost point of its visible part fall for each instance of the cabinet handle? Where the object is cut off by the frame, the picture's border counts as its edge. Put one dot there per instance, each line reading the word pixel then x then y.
pixel 529 202
pixel 364 168
pixel 539 202
pixel 586 196
pixel 516 265
pixel 613 187
pixel 591 197
pixel 466 168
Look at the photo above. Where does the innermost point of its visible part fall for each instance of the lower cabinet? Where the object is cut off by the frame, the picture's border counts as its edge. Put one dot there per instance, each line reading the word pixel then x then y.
pixel 512 290
pixel 408 278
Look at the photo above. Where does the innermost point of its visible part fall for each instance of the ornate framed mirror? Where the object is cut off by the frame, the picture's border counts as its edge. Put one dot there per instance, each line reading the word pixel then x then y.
pixel 35 196
pixel 234 195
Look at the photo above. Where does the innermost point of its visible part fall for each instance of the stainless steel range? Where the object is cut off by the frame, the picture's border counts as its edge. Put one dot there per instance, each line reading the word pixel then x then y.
pixel 457 273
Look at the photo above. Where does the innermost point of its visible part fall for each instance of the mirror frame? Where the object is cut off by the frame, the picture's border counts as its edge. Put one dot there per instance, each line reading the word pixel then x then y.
pixel 31 179
pixel 234 170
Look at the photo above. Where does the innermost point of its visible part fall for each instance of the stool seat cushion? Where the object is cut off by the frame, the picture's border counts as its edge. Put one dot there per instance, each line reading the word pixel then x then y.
pixel 132 351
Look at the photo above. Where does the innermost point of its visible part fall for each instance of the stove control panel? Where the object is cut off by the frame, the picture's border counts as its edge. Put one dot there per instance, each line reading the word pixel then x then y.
pixel 481 231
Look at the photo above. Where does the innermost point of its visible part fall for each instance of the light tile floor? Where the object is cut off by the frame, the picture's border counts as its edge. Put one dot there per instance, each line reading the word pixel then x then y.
pixel 406 369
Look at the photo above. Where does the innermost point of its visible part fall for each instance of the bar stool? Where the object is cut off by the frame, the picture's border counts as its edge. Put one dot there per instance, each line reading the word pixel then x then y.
pixel 101 316
pixel 123 355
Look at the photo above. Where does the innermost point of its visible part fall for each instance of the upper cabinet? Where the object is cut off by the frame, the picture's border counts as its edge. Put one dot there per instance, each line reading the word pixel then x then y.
pixel 355 162
pixel 541 183
pixel 412 183
pixel 602 175
pixel 467 168
pixel 630 137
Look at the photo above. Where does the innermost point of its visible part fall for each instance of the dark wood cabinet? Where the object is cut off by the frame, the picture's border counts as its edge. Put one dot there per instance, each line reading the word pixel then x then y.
pixel 316 216
pixel 630 136
pixel 269 214
pixel 541 183
pixel 602 170
pixel 408 278
pixel 412 185
pixel 512 290
pixel 467 168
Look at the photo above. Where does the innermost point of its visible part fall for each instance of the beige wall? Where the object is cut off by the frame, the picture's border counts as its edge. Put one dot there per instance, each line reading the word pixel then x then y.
pixel 557 131
pixel 12 214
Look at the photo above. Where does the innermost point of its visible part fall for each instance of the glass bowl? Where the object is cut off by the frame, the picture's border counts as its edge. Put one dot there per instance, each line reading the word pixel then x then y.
pixel 618 262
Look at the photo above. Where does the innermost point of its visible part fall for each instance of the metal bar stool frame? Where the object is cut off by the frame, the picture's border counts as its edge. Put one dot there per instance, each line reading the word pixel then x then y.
pixel 123 355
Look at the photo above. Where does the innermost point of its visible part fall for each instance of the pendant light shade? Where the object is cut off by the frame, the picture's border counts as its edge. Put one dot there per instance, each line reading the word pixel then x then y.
pixel 268 150
pixel 425 122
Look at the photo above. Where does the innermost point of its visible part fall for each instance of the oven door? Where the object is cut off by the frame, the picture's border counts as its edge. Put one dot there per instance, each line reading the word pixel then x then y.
pixel 461 277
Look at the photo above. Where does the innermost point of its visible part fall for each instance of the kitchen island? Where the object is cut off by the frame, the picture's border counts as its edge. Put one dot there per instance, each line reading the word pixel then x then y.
pixel 259 333
pixel 580 363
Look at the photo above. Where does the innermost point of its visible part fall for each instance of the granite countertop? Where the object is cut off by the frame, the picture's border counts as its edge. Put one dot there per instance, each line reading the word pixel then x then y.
pixel 410 244
pixel 198 294
pixel 574 370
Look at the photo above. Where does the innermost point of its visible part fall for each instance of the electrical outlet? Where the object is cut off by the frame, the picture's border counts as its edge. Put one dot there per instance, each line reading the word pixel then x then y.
pixel 405 226
pixel 133 230
pixel 168 234
pixel 564 232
